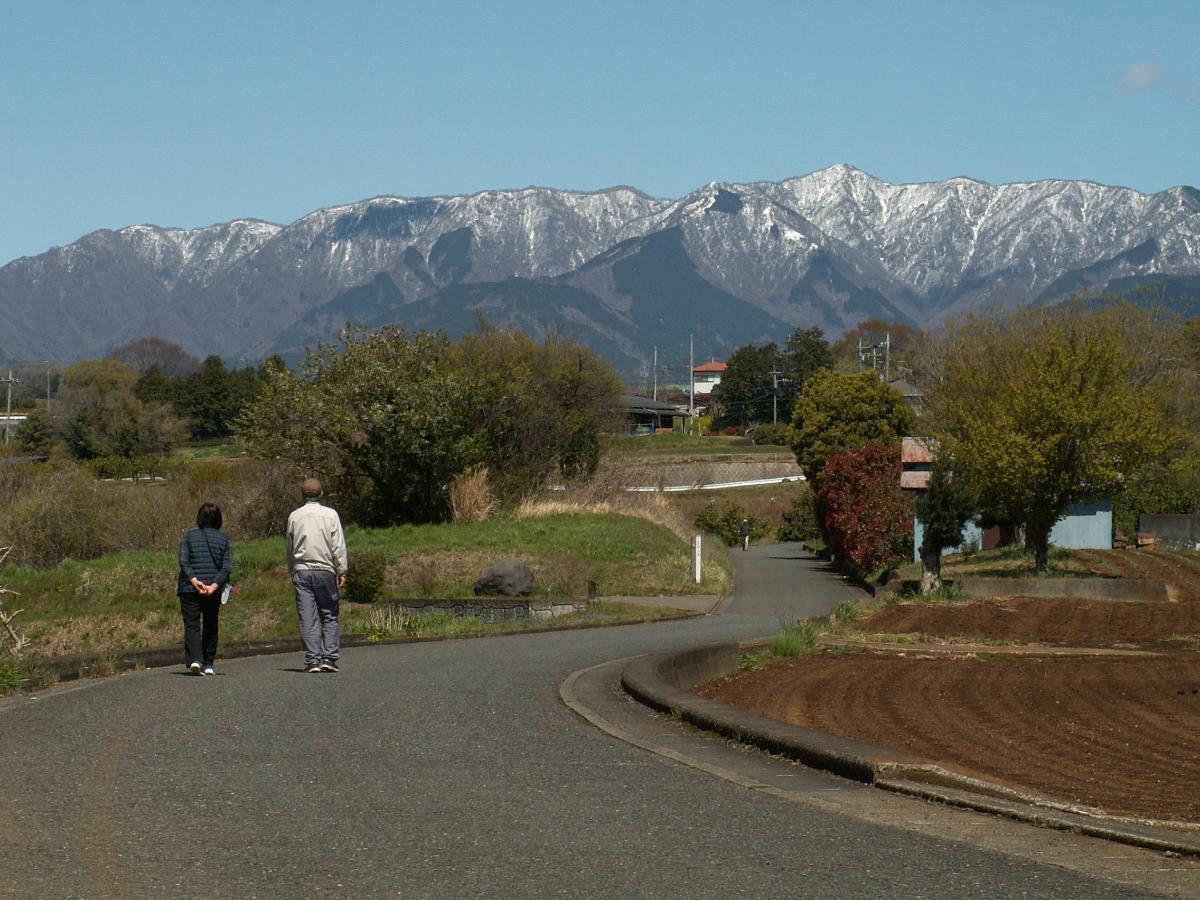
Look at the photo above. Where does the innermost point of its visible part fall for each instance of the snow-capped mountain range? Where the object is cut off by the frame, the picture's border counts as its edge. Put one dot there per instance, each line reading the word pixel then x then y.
pixel 729 263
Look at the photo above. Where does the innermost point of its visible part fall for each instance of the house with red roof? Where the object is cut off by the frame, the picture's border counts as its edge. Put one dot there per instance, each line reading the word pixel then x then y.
pixel 707 376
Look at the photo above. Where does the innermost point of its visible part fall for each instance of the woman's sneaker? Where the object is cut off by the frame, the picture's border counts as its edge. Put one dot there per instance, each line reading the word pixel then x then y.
pixel 316 669
pixel 329 665
pixel 195 668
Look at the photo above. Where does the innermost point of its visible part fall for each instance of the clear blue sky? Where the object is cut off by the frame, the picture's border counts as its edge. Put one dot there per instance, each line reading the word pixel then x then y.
pixel 190 113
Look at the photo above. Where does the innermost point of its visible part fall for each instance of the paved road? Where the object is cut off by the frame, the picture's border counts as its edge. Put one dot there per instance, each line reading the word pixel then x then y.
pixel 440 769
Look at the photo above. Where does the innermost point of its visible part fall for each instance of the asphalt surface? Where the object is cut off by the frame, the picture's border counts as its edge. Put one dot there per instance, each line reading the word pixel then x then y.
pixel 447 769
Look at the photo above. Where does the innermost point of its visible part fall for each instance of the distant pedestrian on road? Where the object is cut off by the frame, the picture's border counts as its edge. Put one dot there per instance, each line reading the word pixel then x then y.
pixel 316 555
pixel 744 531
pixel 205 561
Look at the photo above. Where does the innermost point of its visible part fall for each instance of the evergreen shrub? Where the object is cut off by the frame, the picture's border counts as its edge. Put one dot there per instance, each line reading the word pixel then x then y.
pixel 725 520
pixel 800 522
pixel 364 581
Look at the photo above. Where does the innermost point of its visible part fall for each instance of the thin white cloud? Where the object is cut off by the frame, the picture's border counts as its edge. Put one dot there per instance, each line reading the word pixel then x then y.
pixel 1140 77
pixel 1187 88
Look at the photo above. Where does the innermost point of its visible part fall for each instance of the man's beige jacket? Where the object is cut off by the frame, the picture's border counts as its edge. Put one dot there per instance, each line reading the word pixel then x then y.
pixel 315 539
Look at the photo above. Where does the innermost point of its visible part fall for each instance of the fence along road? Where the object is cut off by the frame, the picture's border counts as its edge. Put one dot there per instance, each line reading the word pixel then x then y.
pixel 452 769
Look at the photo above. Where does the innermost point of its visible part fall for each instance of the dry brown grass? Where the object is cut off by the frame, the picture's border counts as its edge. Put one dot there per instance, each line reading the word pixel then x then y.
pixel 116 632
pixel 264 621
pixel 471 497
pixel 767 502
pixel 430 573
pixel 562 576
pixel 605 493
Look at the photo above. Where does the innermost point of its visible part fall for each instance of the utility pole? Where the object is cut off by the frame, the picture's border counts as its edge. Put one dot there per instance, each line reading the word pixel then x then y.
pixel 656 372
pixel 10 381
pixel 775 373
pixel 691 378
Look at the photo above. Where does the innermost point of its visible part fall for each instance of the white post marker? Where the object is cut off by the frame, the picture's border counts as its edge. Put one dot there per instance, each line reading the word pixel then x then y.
pixel 696 562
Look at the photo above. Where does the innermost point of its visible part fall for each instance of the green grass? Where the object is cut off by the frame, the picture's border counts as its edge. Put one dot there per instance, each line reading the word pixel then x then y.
pixel 797 639
pixel 128 600
pixel 13 676
pixel 212 448
pixel 944 593
pixel 846 612
pixel 382 622
pixel 1004 562
pixel 752 662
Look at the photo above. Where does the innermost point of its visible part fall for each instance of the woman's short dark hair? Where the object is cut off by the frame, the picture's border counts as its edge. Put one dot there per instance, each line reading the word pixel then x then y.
pixel 209 516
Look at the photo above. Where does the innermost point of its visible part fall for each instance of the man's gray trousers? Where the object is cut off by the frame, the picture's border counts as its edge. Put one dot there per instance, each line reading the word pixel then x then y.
pixel 317 606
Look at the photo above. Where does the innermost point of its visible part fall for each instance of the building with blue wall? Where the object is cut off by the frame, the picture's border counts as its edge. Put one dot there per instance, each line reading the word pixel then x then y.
pixel 1084 526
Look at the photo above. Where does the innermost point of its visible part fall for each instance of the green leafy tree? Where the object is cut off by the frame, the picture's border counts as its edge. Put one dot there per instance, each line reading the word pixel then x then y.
pixel 36 436
pixel 541 406
pixel 806 351
pixel 99 414
pixel 760 382
pixel 836 412
pixel 1048 408
pixel 1153 489
pixel 149 353
pixel 944 508
pixel 155 387
pixel 212 397
pixel 389 417
pixel 745 392
pixel 384 417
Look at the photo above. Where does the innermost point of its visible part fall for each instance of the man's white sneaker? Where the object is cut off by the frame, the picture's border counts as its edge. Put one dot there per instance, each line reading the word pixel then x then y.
pixel 316 669
pixel 195 668
pixel 209 670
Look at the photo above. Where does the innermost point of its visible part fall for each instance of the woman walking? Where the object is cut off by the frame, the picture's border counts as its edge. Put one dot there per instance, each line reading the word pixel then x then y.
pixel 205 561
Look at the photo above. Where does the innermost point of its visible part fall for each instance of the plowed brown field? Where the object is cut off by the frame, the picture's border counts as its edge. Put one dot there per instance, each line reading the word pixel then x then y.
pixel 1122 735
pixel 1075 623
pixel 1118 733
pixel 1180 569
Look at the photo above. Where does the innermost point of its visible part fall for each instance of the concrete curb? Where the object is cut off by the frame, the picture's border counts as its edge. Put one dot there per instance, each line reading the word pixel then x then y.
pixel 663 682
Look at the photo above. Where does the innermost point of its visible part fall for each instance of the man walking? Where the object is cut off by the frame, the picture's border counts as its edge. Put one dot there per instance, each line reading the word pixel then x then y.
pixel 744 534
pixel 316 555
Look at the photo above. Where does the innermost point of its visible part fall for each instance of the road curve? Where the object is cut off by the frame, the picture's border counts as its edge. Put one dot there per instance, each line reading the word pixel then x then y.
pixel 445 769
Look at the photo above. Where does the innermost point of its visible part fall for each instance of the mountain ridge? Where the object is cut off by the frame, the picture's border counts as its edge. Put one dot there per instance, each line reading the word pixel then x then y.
pixel 726 261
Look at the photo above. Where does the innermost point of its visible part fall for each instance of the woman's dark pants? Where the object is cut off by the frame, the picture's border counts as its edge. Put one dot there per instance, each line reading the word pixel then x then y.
pixel 199 645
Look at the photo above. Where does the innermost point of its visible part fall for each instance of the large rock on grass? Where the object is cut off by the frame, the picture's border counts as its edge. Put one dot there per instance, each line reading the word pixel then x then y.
pixel 508 578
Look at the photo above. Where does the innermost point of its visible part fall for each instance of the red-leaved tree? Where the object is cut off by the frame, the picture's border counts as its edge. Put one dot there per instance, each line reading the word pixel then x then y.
pixel 868 518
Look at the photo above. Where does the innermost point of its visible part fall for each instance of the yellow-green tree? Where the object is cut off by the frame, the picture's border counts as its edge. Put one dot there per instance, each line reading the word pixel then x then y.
pixel 1049 407
pixel 390 418
pixel 836 412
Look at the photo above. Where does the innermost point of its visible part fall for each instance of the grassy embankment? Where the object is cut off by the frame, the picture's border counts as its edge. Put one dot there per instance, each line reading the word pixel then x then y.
pixel 1004 562
pixel 127 600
